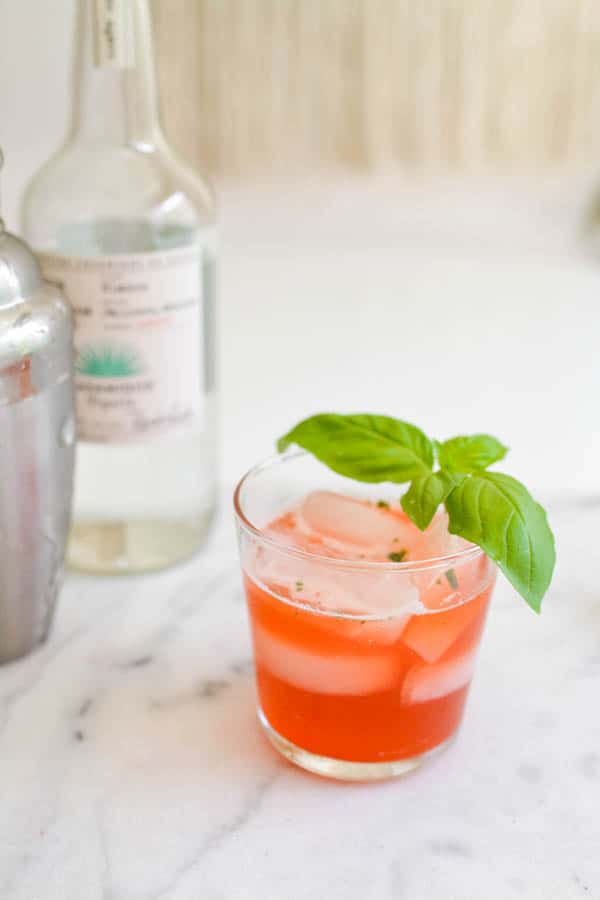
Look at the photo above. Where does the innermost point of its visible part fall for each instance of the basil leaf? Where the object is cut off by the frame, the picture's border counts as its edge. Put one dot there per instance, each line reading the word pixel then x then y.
pixel 499 514
pixel 470 453
pixel 364 447
pixel 425 494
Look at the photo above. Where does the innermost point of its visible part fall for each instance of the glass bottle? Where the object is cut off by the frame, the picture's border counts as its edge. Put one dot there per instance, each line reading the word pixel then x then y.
pixel 128 230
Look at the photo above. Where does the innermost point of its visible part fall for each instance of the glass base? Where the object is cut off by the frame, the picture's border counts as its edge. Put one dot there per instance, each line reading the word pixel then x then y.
pixel 129 548
pixel 341 769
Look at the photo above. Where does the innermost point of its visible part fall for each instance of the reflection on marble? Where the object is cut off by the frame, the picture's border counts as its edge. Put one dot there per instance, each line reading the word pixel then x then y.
pixel 132 767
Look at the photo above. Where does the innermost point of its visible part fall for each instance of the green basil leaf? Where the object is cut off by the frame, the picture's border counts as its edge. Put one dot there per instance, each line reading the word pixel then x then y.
pixel 364 447
pixel 425 494
pixel 499 514
pixel 470 453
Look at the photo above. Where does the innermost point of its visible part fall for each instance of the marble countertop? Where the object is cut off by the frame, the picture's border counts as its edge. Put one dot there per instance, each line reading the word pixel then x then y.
pixel 132 766
pixel 131 763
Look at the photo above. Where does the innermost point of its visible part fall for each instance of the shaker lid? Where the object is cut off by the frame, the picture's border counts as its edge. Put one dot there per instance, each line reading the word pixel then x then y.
pixel 35 320
pixel 20 275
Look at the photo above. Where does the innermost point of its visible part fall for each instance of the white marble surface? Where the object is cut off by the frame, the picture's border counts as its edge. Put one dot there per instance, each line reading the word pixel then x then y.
pixel 132 767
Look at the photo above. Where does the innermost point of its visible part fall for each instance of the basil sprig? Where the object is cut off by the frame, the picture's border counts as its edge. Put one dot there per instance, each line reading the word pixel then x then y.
pixel 490 509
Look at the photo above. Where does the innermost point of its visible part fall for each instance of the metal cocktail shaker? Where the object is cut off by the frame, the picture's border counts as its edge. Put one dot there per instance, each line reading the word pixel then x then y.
pixel 37 438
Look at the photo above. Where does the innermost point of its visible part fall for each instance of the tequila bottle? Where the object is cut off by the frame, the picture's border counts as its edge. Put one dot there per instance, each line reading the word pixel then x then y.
pixel 128 231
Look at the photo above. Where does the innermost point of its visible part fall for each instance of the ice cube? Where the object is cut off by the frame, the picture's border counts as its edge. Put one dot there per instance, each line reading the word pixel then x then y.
pixel 436 540
pixel 321 673
pixel 374 632
pixel 439 593
pixel 475 576
pixel 389 598
pixel 437 586
pixel 299 579
pixel 355 598
pixel 354 525
pixel 430 682
pixel 286 530
pixel 387 594
pixel 460 581
pixel 431 634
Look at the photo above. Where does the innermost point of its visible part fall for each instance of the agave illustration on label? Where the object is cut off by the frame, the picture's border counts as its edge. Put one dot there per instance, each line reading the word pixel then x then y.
pixel 107 360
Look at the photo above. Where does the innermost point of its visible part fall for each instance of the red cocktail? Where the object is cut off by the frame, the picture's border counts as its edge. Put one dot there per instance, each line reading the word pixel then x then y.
pixel 365 629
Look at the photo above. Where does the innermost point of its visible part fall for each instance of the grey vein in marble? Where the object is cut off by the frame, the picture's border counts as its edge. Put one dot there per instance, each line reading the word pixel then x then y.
pixel 218 837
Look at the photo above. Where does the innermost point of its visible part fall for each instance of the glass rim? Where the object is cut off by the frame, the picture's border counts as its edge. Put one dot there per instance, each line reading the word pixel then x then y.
pixel 472 551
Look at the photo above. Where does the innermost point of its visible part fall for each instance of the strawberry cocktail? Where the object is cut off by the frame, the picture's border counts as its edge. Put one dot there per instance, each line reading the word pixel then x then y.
pixel 365 628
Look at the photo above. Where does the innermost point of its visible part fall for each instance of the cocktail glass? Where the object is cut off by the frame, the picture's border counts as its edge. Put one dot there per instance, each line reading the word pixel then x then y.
pixel 365 630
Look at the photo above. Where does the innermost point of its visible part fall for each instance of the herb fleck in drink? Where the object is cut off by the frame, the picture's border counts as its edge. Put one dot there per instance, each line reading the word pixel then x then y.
pixel 366 611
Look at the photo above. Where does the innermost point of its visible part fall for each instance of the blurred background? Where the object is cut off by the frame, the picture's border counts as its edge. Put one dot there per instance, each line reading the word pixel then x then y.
pixel 255 87
pixel 403 187
pixel 293 85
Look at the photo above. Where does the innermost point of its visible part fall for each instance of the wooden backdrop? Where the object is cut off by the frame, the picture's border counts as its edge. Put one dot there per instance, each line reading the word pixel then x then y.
pixel 258 86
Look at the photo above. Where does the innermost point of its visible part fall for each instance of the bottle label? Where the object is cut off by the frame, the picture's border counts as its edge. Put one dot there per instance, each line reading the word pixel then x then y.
pixel 138 341
pixel 111 33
